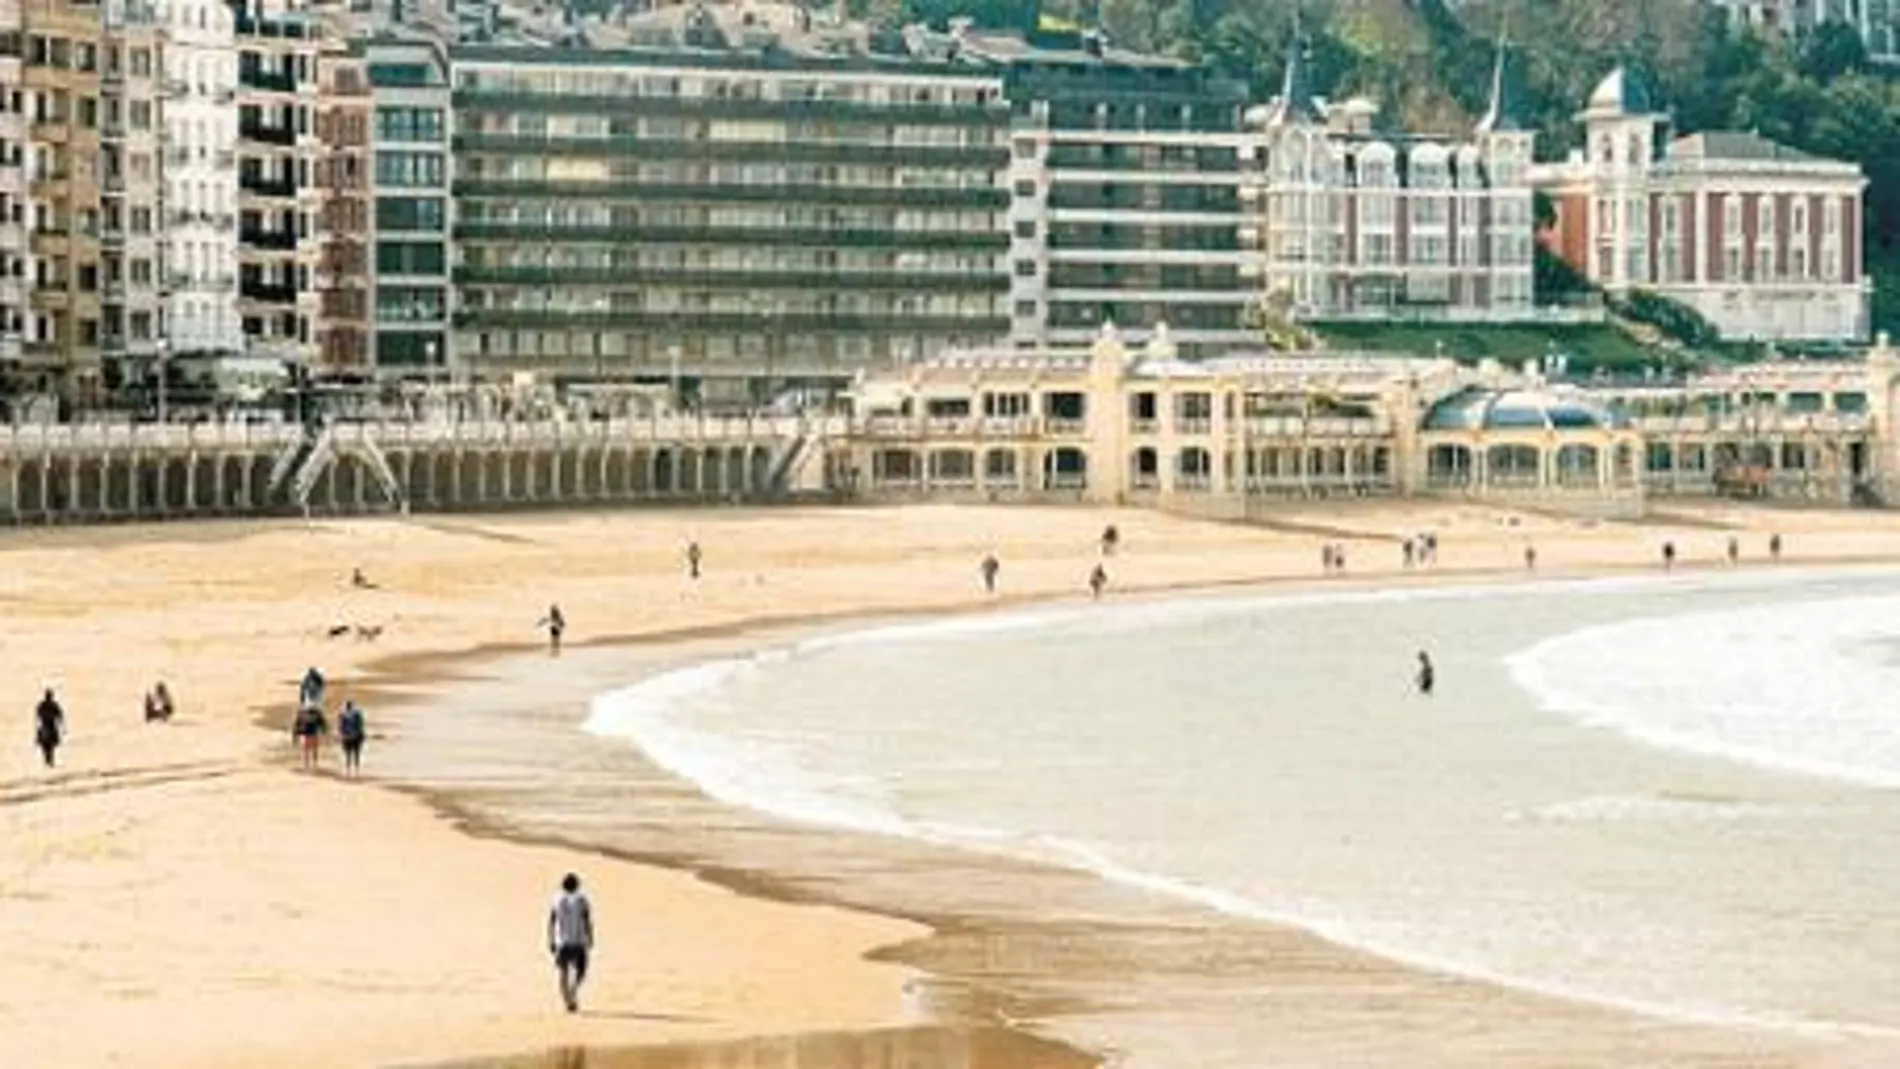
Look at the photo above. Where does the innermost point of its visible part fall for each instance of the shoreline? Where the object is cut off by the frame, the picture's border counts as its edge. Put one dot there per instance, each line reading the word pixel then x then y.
pixel 740 638
pixel 233 614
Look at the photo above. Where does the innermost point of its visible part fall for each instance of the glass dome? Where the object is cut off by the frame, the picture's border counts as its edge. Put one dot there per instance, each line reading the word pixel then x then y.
pixel 1476 409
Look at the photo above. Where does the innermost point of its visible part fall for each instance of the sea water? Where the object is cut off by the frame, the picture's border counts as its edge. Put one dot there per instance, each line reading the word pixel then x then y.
pixel 1663 794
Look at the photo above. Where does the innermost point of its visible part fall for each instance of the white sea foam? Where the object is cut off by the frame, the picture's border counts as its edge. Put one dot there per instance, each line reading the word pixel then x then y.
pixel 1799 688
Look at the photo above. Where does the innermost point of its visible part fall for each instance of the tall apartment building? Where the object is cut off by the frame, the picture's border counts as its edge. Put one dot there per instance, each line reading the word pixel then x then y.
pixel 343 229
pixel 16 261
pixel 1125 179
pixel 749 207
pixel 132 192
pixel 279 202
pixel 1350 222
pixel 408 141
pixel 1764 241
pixel 62 86
pixel 1878 21
pixel 201 185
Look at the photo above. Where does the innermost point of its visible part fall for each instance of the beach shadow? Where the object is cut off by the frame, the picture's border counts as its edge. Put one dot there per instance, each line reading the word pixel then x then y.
pixel 634 1015
pixel 913 1048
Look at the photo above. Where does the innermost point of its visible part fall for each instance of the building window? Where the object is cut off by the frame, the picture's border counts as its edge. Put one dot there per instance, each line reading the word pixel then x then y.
pixel 409 124
pixel 1025 269
pixel 408 168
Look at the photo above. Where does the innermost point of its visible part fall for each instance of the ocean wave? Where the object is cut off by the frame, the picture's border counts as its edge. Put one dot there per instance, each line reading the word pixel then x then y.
pixel 1803 688
pixel 772 776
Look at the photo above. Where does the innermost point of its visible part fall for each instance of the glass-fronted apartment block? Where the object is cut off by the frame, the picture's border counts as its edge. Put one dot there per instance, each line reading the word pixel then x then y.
pixel 409 139
pixel 1125 182
pixel 740 205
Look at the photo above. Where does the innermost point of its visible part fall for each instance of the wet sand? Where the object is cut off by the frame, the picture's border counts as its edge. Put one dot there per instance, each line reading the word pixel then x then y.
pixel 913 1048
pixel 178 897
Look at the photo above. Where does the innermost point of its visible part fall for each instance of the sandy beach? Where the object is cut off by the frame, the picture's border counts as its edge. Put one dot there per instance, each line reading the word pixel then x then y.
pixel 178 895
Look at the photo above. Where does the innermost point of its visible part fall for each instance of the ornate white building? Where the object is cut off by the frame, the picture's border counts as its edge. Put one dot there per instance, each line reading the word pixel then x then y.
pixel 1762 240
pixel 1349 221
pixel 201 178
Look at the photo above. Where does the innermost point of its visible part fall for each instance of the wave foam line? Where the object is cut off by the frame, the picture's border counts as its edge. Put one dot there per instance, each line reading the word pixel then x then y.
pixel 652 714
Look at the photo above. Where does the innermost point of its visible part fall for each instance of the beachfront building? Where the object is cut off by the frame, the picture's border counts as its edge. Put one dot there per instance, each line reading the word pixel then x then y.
pixel 734 202
pixel 1760 239
pixel 62 85
pixel 411 297
pixel 200 174
pixel 1113 424
pixel 1354 222
pixel 132 191
pixel 1116 424
pixel 279 203
pixel 16 258
pixel 1124 184
pixel 342 173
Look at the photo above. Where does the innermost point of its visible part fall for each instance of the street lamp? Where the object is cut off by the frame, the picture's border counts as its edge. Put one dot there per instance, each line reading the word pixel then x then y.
pixel 162 347
pixel 673 374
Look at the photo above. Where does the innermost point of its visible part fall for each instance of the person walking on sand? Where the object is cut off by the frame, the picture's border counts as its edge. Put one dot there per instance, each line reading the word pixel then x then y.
pixel 1530 558
pixel 692 560
pixel 311 689
pixel 1098 578
pixel 1734 550
pixel 571 939
pixel 158 704
pixel 1669 556
pixel 1110 539
pixel 556 625
pixel 1427 675
pixel 350 731
pixel 307 730
pixel 1774 548
pixel 989 568
pixel 50 727
pixel 1326 558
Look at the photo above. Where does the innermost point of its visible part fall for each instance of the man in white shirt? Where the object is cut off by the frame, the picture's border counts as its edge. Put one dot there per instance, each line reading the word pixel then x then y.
pixel 570 938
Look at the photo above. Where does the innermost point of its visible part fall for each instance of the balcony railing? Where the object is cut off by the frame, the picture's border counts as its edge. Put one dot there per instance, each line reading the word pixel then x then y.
pixel 268 292
pixel 270 81
pixel 269 135
pixel 260 238
pixel 264 186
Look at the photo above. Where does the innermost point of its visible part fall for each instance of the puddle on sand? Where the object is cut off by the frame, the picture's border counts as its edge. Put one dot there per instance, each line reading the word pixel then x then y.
pixel 913 1048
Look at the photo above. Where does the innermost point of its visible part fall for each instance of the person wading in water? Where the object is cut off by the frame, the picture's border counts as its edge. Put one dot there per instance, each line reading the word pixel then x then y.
pixel 1427 675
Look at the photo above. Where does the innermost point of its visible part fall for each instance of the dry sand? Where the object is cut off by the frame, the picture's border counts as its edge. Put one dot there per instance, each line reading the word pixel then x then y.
pixel 178 896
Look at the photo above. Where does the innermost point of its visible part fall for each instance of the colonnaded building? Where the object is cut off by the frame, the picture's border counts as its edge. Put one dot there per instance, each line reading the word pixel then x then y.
pixel 1115 424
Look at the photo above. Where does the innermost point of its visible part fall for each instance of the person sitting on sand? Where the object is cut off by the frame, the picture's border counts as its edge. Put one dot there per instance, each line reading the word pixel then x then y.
pixel 307 729
pixel 50 727
pixel 360 581
pixel 556 625
pixel 989 568
pixel 350 732
pixel 1427 676
pixel 1111 538
pixel 158 704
